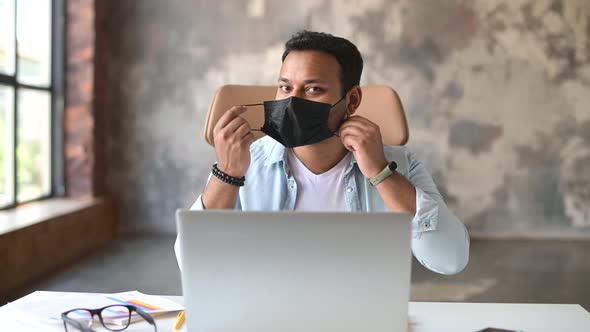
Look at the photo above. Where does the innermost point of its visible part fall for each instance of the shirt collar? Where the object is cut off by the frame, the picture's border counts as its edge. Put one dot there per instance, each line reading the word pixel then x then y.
pixel 278 152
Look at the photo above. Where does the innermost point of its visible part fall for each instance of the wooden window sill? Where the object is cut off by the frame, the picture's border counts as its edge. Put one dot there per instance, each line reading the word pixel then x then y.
pixel 40 238
pixel 41 211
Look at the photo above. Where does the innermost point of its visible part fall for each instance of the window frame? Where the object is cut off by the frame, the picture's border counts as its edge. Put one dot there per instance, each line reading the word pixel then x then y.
pixel 56 95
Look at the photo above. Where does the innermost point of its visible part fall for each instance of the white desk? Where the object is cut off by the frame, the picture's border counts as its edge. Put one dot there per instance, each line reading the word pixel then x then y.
pixel 423 317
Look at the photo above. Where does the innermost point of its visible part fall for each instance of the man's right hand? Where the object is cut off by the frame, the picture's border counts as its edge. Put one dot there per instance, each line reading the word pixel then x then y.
pixel 232 138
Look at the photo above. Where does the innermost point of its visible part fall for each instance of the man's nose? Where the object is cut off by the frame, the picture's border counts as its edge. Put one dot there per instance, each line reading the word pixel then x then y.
pixel 297 92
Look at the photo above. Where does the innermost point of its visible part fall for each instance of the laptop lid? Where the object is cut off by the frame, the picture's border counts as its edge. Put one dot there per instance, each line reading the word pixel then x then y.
pixel 295 271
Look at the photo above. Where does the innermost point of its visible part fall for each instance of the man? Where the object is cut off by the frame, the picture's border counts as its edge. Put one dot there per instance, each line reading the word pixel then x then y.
pixel 328 158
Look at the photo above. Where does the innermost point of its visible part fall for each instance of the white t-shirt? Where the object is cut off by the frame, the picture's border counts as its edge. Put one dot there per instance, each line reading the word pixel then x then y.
pixel 319 192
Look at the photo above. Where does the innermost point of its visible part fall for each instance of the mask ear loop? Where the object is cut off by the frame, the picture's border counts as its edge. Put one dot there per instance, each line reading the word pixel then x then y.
pixel 338 102
pixel 335 133
pixel 249 105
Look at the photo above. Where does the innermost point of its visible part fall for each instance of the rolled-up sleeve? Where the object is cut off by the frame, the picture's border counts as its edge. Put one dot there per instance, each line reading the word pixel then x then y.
pixel 198 205
pixel 440 240
pixel 426 217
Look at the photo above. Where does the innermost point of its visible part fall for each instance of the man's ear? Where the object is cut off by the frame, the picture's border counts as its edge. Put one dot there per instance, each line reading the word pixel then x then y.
pixel 355 95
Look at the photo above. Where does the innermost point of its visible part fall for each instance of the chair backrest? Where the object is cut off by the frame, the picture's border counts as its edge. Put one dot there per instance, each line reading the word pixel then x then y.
pixel 380 104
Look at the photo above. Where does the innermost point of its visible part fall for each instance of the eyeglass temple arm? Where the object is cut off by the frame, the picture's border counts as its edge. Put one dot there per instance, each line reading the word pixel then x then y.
pixel 147 317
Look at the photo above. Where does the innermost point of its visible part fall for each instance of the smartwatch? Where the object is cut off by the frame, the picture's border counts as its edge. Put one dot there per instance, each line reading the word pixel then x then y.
pixel 385 173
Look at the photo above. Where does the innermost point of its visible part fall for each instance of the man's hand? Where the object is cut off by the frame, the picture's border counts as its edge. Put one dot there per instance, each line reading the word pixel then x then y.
pixel 363 138
pixel 232 139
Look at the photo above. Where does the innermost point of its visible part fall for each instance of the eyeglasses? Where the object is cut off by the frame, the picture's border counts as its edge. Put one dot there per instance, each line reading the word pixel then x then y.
pixel 115 317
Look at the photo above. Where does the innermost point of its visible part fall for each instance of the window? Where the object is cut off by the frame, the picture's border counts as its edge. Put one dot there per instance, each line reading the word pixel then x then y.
pixel 27 100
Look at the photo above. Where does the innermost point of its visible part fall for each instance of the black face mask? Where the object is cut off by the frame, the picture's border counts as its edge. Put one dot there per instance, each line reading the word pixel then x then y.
pixel 296 122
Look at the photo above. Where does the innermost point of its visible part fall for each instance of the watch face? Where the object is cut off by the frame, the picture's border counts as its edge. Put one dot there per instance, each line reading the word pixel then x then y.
pixel 392 166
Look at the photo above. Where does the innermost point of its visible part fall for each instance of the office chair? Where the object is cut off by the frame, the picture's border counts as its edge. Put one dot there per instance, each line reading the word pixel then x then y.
pixel 379 103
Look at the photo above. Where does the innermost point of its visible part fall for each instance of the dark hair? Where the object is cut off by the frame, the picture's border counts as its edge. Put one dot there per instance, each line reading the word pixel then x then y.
pixel 348 56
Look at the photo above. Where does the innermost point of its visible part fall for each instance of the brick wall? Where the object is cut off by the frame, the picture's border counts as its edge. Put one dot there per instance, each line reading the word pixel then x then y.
pixel 84 98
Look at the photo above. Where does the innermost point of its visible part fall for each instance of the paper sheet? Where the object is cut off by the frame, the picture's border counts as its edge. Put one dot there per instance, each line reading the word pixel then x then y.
pixel 47 309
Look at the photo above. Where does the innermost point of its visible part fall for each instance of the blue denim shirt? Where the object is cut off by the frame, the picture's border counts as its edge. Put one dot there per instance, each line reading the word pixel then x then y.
pixel 440 241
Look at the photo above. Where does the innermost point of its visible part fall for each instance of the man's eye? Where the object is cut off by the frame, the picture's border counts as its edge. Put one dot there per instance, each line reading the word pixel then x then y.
pixel 314 89
pixel 284 88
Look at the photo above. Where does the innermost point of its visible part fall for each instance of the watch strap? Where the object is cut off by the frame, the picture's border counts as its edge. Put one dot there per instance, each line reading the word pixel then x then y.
pixel 384 174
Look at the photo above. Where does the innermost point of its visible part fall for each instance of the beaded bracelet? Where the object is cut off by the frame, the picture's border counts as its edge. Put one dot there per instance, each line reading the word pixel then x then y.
pixel 238 182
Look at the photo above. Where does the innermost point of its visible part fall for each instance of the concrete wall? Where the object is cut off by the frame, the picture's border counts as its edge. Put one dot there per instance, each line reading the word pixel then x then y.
pixel 496 92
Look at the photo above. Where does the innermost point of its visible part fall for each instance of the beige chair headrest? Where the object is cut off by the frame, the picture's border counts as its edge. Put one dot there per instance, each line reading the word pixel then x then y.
pixel 380 104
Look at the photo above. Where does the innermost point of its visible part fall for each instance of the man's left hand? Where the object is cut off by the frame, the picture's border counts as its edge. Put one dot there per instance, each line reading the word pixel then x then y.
pixel 363 138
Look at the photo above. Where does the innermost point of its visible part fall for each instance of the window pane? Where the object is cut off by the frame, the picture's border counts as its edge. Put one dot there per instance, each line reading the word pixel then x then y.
pixel 34 144
pixel 7 37
pixel 34 41
pixel 6 145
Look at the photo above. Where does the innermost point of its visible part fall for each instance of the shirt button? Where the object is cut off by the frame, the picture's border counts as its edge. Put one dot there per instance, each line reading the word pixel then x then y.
pixel 291 186
pixel 349 189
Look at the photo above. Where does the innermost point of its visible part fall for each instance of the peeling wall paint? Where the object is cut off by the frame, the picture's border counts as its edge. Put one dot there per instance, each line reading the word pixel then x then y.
pixel 497 95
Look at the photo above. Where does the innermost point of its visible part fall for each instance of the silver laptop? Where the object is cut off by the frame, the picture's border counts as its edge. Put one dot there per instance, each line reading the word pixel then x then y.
pixel 295 271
